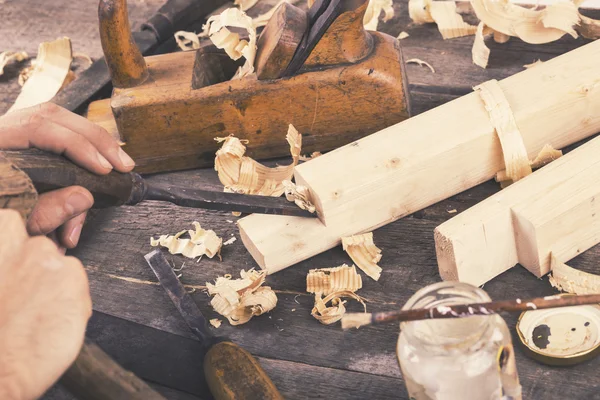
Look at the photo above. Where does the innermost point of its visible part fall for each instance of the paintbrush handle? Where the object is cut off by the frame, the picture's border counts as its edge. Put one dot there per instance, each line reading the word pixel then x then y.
pixel 49 172
pixel 468 310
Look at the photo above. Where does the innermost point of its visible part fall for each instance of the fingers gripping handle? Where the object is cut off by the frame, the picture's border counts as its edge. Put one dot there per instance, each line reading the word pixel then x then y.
pixel 233 373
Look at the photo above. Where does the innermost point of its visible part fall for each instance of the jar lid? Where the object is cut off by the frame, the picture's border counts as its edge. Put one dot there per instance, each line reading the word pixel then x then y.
pixel 561 336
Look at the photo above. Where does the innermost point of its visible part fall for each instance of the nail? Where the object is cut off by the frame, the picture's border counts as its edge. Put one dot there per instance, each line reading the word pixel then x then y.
pixel 125 159
pixel 78 202
pixel 104 162
pixel 74 235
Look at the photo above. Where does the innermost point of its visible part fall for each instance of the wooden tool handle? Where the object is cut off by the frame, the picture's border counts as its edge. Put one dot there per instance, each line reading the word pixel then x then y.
pixel 49 172
pixel 96 376
pixel 126 64
pixel 233 373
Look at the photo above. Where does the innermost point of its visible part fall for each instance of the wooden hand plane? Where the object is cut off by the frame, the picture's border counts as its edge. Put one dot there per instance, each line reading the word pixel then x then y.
pixel 319 70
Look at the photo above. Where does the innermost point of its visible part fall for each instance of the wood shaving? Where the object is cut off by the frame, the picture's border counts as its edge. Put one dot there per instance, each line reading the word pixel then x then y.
pixel 216 322
pixel 531 26
pixel 374 9
pixel 533 64
pixel 402 35
pixel 450 23
pixel 516 161
pixel 229 241
pixel 245 5
pixel 480 53
pixel 187 40
pixel 201 242
pixel 298 195
pixel 329 315
pixel 452 211
pixel 241 299
pixel 241 174
pixel 329 280
pixel 571 280
pixel 421 63
pixel 312 155
pixel 364 253
pixel 6 57
pixel 51 69
pixel 545 156
pixel 229 41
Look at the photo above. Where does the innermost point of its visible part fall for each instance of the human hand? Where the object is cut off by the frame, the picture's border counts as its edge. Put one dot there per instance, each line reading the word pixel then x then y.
pixel 61 213
pixel 44 308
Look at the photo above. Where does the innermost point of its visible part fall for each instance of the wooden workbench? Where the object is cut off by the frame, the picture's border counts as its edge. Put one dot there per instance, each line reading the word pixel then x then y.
pixel 135 322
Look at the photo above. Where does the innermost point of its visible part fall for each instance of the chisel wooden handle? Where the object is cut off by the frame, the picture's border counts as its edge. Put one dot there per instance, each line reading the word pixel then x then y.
pixel 49 171
pixel 96 376
pixel 233 373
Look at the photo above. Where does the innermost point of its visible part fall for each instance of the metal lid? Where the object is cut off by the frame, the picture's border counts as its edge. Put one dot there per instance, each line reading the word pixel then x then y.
pixel 561 336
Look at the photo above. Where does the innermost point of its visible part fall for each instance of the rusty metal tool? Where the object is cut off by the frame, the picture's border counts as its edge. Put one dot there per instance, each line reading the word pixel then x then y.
pixel 49 172
pixel 230 371
pixel 320 71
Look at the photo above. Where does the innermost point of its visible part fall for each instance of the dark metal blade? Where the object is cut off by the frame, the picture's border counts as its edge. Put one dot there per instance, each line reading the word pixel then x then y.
pixel 179 296
pixel 227 201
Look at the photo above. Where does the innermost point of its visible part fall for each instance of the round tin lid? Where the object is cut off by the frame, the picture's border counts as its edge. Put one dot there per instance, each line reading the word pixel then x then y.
pixel 561 336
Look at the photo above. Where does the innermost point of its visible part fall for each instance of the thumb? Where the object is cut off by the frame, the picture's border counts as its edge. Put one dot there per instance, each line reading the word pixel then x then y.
pixel 55 208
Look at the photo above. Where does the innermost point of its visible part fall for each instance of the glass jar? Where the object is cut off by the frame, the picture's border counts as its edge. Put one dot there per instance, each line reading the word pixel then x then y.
pixel 457 358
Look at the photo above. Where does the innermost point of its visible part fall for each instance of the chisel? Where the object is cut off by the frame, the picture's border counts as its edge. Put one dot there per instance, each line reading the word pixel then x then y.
pixel 49 172
pixel 230 371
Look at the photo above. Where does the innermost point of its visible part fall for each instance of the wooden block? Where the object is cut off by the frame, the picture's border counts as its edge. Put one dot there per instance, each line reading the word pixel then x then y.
pixel 418 162
pixel 551 211
pixel 166 125
pixel 100 113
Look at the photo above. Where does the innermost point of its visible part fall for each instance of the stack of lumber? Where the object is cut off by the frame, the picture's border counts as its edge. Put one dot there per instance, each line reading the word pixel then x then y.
pixel 418 162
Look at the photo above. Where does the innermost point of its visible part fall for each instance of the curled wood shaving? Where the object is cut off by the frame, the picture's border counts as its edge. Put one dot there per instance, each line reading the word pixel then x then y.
pixel 229 41
pixel 242 174
pixel 240 299
pixel 531 26
pixel 216 322
pixel 201 242
pixel 329 315
pixel 329 280
pixel 51 69
pixel 402 35
pixel 245 5
pixel 421 63
pixel 450 23
pixel 502 119
pixel 374 9
pixel 298 195
pixel 187 40
pixel 480 53
pixel 545 156
pixel 7 57
pixel 364 253
pixel 571 280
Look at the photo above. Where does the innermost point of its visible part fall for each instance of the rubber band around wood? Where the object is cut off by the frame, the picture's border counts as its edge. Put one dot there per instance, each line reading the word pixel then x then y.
pixel 516 162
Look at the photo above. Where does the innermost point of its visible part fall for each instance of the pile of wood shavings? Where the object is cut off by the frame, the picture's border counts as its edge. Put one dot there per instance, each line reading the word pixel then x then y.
pixel 201 242
pixel 364 253
pixel 239 300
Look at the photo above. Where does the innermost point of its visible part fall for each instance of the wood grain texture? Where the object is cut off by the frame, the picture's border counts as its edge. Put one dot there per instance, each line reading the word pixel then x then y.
pixel 353 365
pixel 16 189
pixel 394 172
pixel 125 62
pixel 279 40
pixel 167 126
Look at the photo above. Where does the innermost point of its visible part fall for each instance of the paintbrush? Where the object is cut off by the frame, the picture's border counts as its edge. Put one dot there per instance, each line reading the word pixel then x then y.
pixel 356 320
